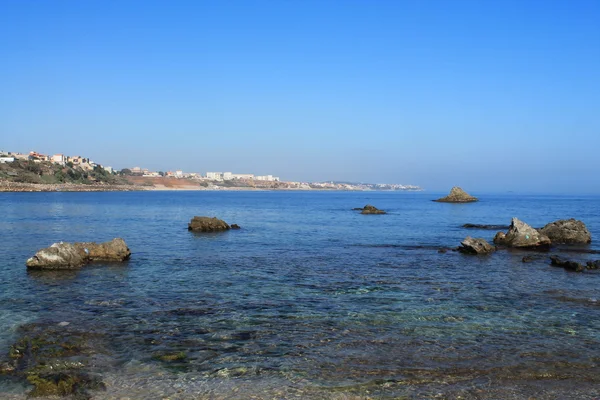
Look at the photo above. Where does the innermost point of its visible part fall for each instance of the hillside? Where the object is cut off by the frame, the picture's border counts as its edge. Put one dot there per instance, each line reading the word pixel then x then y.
pixel 51 173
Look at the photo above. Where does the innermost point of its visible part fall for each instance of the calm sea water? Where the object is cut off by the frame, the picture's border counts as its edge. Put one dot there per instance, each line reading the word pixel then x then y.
pixel 309 299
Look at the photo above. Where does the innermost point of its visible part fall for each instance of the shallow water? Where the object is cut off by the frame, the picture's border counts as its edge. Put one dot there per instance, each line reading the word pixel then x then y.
pixel 309 298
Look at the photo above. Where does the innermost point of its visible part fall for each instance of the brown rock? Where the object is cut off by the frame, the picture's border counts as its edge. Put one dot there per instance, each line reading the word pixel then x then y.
pixel 207 224
pixel 457 195
pixel 369 209
pixel 115 250
pixel 567 231
pixel 475 246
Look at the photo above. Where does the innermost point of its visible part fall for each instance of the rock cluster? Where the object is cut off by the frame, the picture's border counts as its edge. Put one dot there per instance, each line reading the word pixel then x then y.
pixel 208 224
pixel 369 209
pixel 475 246
pixel 457 195
pixel 567 231
pixel 521 235
pixel 75 255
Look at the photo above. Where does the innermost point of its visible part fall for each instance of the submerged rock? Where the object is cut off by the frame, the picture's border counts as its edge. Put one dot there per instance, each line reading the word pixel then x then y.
pixel 485 227
pixel 475 246
pixel 207 224
pixel 457 195
pixel 235 226
pixel 567 264
pixel 75 255
pixel 530 259
pixel 567 231
pixel 593 264
pixel 369 209
pixel 55 360
pixel 523 236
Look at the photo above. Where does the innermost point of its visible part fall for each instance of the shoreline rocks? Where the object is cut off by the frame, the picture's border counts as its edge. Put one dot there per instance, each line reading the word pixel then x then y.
pixel 457 195
pixel 76 255
pixel 521 235
pixel 369 209
pixel 567 231
pixel 208 224
pixel 475 246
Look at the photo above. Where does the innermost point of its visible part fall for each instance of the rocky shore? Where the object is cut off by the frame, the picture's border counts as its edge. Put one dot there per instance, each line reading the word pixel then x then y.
pixel 66 187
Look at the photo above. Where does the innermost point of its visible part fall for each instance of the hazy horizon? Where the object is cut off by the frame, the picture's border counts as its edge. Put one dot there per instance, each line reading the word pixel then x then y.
pixel 490 96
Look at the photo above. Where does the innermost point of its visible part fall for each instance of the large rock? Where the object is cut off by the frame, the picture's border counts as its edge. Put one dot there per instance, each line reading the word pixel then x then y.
pixel 457 195
pixel 207 224
pixel 475 246
pixel 59 256
pixel 116 250
pixel 522 235
pixel 369 209
pixel 75 255
pixel 567 231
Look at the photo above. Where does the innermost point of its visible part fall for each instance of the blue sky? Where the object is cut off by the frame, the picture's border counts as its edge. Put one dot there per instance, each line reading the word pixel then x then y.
pixel 489 95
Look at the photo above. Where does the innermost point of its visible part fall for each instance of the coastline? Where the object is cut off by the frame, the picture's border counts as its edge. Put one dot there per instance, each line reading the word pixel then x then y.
pixel 66 187
pixel 7 187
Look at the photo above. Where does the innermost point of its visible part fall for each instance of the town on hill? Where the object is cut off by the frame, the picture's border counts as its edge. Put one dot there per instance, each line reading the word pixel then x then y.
pixel 40 172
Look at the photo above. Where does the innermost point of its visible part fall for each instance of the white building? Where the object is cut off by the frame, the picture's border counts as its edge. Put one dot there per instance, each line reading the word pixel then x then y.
pixel 227 176
pixel 269 178
pixel 214 176
pixel 6 159
pixel 242 176
pixel 179 174
pixel 109 169
pixel 59 159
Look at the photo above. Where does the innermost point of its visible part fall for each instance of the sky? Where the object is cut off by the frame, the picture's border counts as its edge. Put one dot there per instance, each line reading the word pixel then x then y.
pixel 488 95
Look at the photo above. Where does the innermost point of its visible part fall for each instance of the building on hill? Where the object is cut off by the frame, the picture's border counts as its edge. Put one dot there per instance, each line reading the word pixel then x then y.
pixel 59 159
pixel 242 176
pixel 214 176
pixel 269 178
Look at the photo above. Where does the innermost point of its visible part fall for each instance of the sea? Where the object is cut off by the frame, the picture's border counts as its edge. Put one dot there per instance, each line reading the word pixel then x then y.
pixel 309 299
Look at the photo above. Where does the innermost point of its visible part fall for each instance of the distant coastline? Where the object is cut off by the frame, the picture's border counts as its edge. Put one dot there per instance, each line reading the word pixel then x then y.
pixel 176 185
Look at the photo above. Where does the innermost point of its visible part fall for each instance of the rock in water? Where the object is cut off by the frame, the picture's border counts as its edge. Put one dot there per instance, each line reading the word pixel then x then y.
pixel 567 264
pixel 75 255
pixel 486 227
pixel 59 256
pixel 567 231
pixel 369 209
pixel 207 224
pixel 235 226
pixel 116 250
pixel 457 195
pixel 475 246
pixel 593 264
pixel 523 236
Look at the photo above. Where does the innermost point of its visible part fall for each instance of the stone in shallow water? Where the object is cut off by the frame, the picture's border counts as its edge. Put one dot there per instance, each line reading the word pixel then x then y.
pixel 521 235
pixel 75 255
pixel 475 246
pixel 567 231
pixel 55 360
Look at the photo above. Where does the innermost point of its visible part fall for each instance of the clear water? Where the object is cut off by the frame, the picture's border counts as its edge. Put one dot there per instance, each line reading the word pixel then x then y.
pixel 309 299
